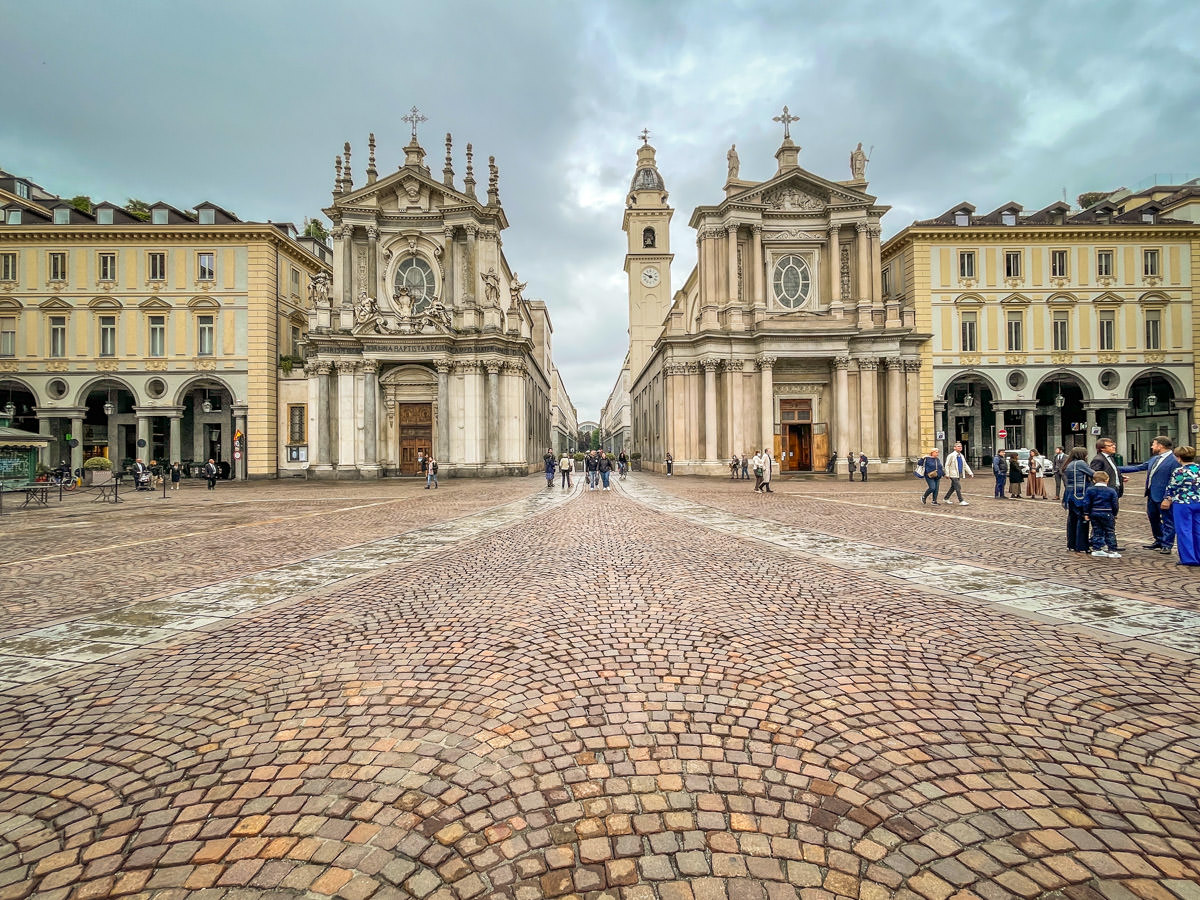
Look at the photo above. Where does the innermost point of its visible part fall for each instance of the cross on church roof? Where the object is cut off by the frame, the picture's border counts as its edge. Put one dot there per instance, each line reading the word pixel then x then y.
pixel 415 117
pixel 786 119
pixel 645 135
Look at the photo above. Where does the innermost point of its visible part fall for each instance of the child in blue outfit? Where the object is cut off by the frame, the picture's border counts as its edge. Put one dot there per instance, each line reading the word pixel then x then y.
pixel 1100 507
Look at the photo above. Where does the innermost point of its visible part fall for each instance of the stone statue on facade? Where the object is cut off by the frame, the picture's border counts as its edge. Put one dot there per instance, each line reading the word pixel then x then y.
pixel 514 291
pixel 366 308
pixel 858 163
pixel 403 303
pixel 491 287
pixel 318 290
pixel 734 163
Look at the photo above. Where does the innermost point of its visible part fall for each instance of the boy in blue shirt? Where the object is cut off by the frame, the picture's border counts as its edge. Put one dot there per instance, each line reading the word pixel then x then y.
pixel 1100 507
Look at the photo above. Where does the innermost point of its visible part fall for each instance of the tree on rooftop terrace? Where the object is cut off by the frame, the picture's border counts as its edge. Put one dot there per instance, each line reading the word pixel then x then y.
pixel 314 229
pixel 1091 198
pixel 139 209
pixel 82 202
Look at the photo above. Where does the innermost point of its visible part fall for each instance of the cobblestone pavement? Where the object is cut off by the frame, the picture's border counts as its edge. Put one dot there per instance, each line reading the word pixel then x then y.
pixel 604 699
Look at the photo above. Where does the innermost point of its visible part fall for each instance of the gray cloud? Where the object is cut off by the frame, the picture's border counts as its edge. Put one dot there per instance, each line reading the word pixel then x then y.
pixel 247 104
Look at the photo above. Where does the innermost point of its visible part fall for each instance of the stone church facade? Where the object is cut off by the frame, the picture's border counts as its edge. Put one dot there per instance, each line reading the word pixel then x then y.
pixel 781 336
pixel 422 340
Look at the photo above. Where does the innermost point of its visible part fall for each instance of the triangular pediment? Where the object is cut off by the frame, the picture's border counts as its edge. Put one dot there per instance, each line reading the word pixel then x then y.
pixel 1016 300
pixel 1109 297
pixel 405 188
pixel 797 189
pixel 155 303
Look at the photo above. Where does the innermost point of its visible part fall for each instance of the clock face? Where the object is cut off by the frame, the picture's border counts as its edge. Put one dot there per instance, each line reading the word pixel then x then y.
pixel 650 276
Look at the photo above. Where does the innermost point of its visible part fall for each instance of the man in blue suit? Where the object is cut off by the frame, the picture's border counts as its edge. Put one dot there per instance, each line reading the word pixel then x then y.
pixel 1158 469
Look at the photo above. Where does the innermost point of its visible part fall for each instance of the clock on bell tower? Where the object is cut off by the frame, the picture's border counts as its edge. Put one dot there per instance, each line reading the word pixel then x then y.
pixel 648 256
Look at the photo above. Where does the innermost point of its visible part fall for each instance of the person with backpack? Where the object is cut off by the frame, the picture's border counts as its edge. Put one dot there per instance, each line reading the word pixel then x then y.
pixel 932 470
pixel 549 462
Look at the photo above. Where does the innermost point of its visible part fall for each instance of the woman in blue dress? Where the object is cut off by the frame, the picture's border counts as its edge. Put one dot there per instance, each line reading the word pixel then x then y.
pixel 1183 499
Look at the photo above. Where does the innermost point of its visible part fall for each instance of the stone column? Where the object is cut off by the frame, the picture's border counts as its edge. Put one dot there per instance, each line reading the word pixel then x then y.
pixel 731 233
pixel 835 272
pixel 1056 425
pixel 372 285
pixel 175 445
pixel 735 411
pixel 1122 436
pixel 322 457
pixel 239 466
pixel 1090 414
pixel 347 297
pixel 448 263
pixel 766 378
pixel 370 370
pixel 841 387
pixel 77 450
pixel 493 413
pixel 710 408
pixel 1183 434
pixel 756 261
pixel 143 434
pixel 999 409
pixel 199 447
pixel 1029 427
pixel 867 368
pixel 895 408
pixel 862 274
pixel 443 410
pixel 912 373
pixel 341 271
pixel 44 449
pixel 347 413
pixel 114 427
pixel 941 422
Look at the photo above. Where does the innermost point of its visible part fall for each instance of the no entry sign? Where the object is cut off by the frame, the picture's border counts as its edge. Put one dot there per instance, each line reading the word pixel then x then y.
pixel 1003 433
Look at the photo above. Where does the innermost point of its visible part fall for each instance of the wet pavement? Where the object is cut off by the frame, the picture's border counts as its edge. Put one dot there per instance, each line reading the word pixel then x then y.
pixel 670 691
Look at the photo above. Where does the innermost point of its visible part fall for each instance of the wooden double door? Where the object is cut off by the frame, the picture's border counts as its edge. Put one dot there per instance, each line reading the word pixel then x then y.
pixel 416 435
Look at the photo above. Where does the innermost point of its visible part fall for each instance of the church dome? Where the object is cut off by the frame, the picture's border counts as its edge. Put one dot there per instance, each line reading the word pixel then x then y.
pixel 647 179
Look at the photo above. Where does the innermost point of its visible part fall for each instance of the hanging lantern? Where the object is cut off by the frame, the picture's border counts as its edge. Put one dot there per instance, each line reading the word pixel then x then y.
pixel 109 409
pixel 1152 400
pixel 206 405
pixel 9 409
pixel 1060 401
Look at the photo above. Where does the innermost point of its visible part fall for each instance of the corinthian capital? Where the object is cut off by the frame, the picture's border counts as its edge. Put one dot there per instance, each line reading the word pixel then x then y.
pixel 766 362
pixel 868 363
pixel 894 362
pixel 372 233
pixel 710 363
pixel 841 362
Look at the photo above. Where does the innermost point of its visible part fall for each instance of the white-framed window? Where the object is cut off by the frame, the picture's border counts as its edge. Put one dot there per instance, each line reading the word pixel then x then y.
pixel 1061 330
pixel 1059 264
pixel 108 335
pixel 1108 329
pixel 13 217
pixel 962 218
pixel 1012 263
pixel 108 266
pixel 157 266
pixel 969 332
pixel 1015 327
pixel 158 335
pixel 158 216
pixel 22 189
pixel 205 334
pixel 885 282
pixel 295 282
pixel 8 335
pixel 62 216
pixel 966 264
pixel 1153 329
pixel 58 336
pixel 206 267
pixel 791 282
pixel 207 216
pixel 1008 218
pixel 58 266
pixel 1150 263
pixel 104 216
pixel 8 267
pixel 1104 263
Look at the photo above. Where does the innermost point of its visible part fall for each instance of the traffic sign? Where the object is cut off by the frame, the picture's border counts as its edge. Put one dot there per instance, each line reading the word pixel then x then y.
pixel 1002 433
pixel 237 454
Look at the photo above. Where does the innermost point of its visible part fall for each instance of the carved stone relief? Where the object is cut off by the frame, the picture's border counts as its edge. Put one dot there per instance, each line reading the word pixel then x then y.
pixel 845 270
pixel 791 198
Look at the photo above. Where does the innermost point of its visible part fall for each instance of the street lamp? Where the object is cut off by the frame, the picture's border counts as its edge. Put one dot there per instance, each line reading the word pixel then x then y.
pixel 109 409
pixel 207 404
pixel 10 410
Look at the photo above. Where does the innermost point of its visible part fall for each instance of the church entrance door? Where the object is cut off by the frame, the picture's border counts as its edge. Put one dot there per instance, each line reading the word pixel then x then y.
pixel 796 422
pixel 416 435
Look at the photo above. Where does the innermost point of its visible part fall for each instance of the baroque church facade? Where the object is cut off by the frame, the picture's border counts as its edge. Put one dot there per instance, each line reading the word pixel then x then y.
pixel 781 336
pixel 422 341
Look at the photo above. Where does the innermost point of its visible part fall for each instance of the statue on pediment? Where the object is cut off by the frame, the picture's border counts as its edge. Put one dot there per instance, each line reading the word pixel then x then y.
pixel 366 308
pixel 734 163
pixel 403 303
pixel 318 290
pixel 514 291
pixel 491 287
pixel 858 163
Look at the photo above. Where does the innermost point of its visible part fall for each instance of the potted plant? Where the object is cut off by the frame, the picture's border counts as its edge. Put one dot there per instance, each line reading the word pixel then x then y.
pixel 97 470
pixel 42 473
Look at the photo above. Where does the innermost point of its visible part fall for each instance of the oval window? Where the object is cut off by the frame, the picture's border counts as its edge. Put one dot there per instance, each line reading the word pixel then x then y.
pixel 792 281
pixel 415 275
pixel 57 388
pixel 156 387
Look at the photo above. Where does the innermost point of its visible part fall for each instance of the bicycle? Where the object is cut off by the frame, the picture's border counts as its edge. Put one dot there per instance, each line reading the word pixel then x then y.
pixel 62 478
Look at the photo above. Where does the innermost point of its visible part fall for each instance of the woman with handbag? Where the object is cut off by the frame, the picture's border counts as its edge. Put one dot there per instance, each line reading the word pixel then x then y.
pixel 1077 476
pixel 931 469
pixel 1016 476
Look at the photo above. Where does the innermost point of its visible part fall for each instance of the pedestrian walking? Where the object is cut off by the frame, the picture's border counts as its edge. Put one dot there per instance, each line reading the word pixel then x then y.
pixel 176 475
pixel 1060 462
pixel 1016 476
pixel 1100 508
pixel 956 470
pixel 591 470
pixel 1077 478
pixel 768 470
pixel 757 462
pixel 422 462
pixel 565 465
pixel 735 465
pixel 604 466
pixel 932 470
pixel 622 464
pixel 549 463
pixel 210 472
pixel 1183 500
pixel 862 466
pixel 431 470
pixel 670 461
pixel 851 464
pixel 1158 468
pixel 1000 471
pixel 745 466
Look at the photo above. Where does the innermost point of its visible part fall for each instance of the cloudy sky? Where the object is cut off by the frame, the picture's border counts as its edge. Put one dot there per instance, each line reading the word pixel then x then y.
pixel 246 103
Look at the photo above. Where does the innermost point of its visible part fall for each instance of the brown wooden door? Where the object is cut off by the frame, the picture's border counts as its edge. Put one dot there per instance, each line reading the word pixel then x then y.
pixel 416 434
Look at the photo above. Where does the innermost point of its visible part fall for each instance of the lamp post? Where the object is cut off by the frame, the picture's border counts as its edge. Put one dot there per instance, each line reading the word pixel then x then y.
pixel 10 410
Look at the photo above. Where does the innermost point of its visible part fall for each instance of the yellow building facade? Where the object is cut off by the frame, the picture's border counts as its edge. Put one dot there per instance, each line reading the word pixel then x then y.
pixel 1054 326
pixel 156 339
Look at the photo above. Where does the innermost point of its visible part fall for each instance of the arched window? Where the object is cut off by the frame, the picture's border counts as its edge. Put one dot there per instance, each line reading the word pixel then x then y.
pixel 792 281
pixel 414 273
pixel 648 237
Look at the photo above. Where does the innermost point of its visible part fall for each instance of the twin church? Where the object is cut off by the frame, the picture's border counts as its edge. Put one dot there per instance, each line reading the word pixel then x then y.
pixel 781 336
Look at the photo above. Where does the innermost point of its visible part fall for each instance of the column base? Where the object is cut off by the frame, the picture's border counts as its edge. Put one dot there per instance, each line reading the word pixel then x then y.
pixel 370 471
pixel 322 472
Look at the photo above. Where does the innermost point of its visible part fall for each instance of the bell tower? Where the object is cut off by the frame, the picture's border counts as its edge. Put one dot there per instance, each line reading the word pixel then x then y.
pixel 648 256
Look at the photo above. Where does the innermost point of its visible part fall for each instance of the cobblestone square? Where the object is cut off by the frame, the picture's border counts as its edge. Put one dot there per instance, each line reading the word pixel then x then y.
pixel 674 690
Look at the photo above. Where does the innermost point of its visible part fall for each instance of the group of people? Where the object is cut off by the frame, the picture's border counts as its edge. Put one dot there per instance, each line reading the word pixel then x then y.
pixel 597 468
pixel 853 463
pixel 429 468
pixel 147 477
pixel 1091 492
